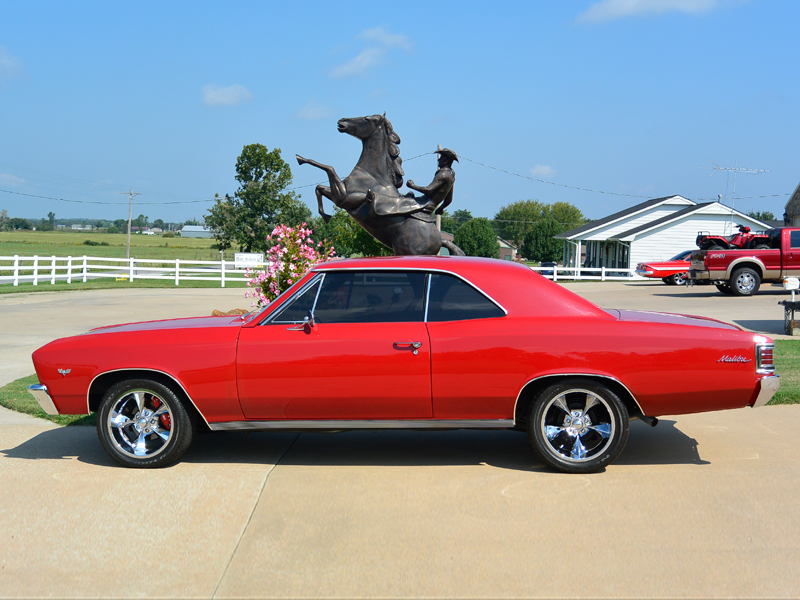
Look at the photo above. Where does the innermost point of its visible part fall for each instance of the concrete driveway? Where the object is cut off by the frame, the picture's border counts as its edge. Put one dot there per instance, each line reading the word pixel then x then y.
pixel 702 506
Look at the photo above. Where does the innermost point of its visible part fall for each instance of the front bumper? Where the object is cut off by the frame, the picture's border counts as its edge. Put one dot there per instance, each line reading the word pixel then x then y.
pixel 39 391
pixel 767 388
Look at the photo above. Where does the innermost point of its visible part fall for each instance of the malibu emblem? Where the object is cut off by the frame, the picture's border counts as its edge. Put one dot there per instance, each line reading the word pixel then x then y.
pixel 734 359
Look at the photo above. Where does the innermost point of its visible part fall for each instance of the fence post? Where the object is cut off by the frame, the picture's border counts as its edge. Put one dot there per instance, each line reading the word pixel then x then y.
pixel 222 272
pixel 35 269
pixel 177 270
pixel 555 273
pixel 53 270
pixel 69 269
pixel 602 274
pixel 84 268
pixel 16 269
pixel 130 270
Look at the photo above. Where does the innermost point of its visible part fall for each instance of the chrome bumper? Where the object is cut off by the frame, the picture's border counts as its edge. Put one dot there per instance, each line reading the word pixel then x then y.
pixel 39 391
pixel 768 387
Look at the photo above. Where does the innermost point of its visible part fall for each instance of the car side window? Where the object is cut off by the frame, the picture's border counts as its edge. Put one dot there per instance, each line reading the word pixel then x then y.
pixel 794 239
pixel 452 299
pixel 299 307
pixel 371 297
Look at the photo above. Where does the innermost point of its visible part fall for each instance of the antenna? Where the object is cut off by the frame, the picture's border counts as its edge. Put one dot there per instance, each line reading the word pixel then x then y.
pixel 735 169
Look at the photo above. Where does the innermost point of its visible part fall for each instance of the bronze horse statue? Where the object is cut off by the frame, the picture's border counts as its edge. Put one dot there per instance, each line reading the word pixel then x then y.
pixel 370 195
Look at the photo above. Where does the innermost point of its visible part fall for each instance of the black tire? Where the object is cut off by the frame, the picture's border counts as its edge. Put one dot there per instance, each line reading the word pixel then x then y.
pixel 761 247
pixel 745 282
pixel 598 438
pixel 724 288
pixel 668 280
pixel 142 423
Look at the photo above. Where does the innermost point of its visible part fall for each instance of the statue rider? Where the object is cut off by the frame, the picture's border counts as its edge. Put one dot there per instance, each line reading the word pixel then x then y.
pixel 437 196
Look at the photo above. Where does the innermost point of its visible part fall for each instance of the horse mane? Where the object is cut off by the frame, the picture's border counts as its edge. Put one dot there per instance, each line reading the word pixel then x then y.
pixel 393 155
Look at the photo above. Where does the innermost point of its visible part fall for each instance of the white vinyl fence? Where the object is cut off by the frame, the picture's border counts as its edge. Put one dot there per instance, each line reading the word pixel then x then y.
pixel 49 269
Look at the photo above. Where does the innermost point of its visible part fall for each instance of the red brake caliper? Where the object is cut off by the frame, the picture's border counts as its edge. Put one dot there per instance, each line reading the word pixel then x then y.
pixel 165 421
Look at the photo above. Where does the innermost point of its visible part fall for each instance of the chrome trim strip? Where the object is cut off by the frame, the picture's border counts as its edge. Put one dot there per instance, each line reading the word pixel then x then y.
pixel 427 296
pixel 316 425
pixel 271 318
pixel 768 387
pixel 424 269
pixel 39 391
pixel 91 383
pixel 639 406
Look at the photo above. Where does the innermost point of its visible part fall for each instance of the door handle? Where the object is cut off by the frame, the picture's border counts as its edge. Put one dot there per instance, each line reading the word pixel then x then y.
pixel 415 345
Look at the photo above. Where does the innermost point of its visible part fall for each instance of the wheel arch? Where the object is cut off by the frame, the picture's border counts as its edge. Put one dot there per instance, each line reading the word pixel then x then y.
pixel 102 382
pixel 532 389
pixel 750 262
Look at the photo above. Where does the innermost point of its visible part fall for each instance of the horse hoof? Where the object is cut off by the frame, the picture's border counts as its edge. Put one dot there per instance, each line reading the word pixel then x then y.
pixel 326 218
pixel 300 159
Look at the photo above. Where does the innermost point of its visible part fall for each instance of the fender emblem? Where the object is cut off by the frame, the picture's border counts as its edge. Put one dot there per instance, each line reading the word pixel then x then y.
pixel 734 359
pixel 64 372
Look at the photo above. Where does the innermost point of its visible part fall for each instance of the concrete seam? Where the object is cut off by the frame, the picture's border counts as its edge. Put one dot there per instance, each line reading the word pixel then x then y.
pixel 250 516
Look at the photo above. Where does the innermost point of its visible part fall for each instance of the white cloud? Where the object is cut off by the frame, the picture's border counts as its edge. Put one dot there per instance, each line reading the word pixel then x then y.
pixel 11 180
pixel 10 65
pixel 314 110
pixel 608 10
pixel 543 171
pixel 215 95
pixel 381 42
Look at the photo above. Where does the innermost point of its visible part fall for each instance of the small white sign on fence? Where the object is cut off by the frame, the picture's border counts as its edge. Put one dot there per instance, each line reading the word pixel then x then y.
pixel 248 259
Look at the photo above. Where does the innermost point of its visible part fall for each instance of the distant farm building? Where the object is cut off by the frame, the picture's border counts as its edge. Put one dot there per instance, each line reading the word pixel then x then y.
pixel 195 231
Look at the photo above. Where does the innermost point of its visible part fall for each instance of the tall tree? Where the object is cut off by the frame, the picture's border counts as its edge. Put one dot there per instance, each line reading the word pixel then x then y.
pixel 260 203
pixel 565 214
pixel 477 238
pixel 540 244
pixel 514 220
pixel 51 217
pixel 451 222
pixel 761 215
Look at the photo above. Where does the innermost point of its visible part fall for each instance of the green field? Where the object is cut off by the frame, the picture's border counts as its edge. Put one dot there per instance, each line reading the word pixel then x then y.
pixel 71 243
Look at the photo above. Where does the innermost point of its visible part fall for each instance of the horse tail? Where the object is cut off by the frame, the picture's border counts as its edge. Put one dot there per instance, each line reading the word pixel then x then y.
pixel 452 248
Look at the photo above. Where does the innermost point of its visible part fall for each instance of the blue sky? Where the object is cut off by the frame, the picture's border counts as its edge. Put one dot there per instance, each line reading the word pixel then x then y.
pixel 618 96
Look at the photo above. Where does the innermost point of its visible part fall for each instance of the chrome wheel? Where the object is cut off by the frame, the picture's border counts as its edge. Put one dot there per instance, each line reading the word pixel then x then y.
pixel 745 282
pixel 142 423
pixel 578 427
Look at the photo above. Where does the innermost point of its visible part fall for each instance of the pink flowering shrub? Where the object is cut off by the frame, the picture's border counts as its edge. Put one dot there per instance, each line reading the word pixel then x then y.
pixel 292 256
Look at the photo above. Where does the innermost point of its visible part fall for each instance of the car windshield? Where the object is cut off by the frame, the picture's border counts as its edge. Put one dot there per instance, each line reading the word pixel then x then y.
pixel 682 256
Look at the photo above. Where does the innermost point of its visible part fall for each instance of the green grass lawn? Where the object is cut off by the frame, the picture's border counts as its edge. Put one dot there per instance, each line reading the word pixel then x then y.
pixel 15 395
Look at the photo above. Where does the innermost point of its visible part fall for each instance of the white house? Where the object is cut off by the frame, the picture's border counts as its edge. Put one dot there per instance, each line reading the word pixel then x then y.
pixel 195 231
pixel 653 230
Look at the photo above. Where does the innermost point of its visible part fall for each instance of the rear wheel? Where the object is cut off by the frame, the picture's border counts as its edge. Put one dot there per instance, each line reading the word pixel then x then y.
pixel 142 423
pixel 578 426
pixel 724 288
pixel 678 278
pixel 745 282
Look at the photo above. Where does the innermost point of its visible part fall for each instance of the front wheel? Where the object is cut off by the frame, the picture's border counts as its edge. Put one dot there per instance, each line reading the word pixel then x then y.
pixel 142 423
pixel 745 282
pixel 578 426
pixel 724 288
pixel 678 278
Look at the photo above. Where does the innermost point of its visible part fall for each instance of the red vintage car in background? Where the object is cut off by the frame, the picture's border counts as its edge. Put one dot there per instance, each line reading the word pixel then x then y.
pixel 672 272
pixel 406 343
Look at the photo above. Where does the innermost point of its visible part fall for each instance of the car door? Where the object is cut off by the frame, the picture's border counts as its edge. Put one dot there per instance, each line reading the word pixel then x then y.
pixel 364 356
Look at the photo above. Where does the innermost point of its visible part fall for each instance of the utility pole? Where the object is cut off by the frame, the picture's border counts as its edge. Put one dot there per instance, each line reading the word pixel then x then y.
pixel 130 213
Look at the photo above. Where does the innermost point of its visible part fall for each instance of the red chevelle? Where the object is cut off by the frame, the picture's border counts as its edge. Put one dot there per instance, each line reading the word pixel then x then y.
pixel 406 343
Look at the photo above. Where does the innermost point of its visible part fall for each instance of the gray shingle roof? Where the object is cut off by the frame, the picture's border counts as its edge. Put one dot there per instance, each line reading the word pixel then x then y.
pixel 616 216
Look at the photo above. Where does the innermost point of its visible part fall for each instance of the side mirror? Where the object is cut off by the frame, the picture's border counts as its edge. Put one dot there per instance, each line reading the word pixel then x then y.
pixel 308 321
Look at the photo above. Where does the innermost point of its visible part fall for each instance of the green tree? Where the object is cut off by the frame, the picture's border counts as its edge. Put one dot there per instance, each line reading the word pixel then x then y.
pixel 140 222
pixel 514 220
pixel 3 219
pixel 761 215
pixel 112 229
pixel 158 223
pixel 51 218
pixel 259 205
pixel 18 223
pixel 565 214
pixel 347 236
pixel 193 221
pixel 477 238
pixel 452 222
pixel 540 244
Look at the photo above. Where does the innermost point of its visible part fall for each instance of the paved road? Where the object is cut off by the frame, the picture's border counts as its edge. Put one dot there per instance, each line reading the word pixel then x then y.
pixel 702 505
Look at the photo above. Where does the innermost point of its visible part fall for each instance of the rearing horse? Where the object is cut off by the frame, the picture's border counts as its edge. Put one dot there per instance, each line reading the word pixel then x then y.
pixel 370 193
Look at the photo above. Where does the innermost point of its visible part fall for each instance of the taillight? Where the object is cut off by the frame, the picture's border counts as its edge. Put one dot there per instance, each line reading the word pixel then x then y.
pixel 764 358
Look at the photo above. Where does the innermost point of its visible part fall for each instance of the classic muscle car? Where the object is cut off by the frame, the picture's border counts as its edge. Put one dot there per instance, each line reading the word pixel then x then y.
pixel 672 272
pixel 406 343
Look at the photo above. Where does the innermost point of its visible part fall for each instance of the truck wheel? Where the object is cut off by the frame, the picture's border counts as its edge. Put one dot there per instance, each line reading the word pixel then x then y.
pixel 745 282
pixel 724 288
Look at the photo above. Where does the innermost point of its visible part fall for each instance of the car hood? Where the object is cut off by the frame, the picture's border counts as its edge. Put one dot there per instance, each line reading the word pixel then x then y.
pixel 186 323
pixel 646 316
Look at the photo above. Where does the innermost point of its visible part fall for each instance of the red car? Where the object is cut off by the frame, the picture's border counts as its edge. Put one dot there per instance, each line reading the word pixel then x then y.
pixel 672 272
pixel 406 343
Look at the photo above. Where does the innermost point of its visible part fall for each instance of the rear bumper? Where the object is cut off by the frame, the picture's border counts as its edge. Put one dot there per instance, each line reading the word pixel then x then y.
pixel 39 391
pixel 767 388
